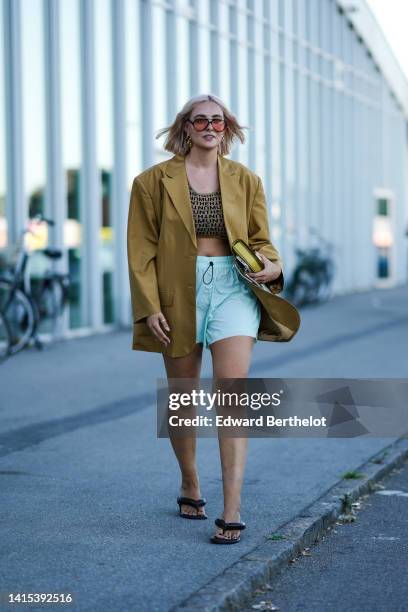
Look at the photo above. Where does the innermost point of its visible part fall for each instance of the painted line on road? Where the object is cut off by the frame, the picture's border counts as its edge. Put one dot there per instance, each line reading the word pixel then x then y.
pixel 328 344
pixel 20 439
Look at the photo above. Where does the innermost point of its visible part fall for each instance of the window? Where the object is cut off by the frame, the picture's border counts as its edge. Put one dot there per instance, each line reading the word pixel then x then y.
pixel 382 207
pixel 383 236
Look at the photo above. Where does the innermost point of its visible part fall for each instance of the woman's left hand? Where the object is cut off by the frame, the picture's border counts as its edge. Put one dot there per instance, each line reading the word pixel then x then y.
pixel 270 272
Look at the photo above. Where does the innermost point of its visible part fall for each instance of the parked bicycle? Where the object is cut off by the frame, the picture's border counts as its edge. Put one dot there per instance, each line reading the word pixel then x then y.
pixel 5 338
pixel 312 278
pixel 22 308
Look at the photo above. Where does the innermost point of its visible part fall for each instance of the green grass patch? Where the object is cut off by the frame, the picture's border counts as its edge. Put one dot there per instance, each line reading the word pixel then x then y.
pixel 276 536
pixel 380 458
pixel 352 475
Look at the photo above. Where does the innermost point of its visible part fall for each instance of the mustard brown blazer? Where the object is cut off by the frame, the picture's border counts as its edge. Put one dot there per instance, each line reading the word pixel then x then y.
pixel 162 251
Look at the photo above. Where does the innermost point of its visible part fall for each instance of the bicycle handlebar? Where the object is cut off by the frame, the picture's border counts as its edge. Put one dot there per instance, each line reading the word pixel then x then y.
pixel 40 217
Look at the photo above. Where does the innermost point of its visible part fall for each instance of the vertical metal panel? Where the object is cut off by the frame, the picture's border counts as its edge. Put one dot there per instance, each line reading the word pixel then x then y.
pixel 402 246
pixel 259 93
pixel 347 162
pixel 134 100
pixel 222 63
pixel 302 194
pixel 359 237
pixel 90 188
pixel 353 203
pixel 251 87
pixel 268 163
pixel 365 175
pixel 14 118
pixel 214 46
pixel 180 40
pixel 120 200
pixel 297 124
pixel 5 204
pixel 375 168
pixel 337 183
pixel 393 182
pixel 360 233
pixel 55 176
pixel 347 144
pixel 145 85
pixel 402 167
pixel 326 122
pixel 242 106
pixel 234 71
pixel 55 189
pixel 314 114
pixel 288 118
pixel 398 174
pixel 172 74
pixel 158 73
pixel 276 128
pixel 283 114
pixel 319 124
pixel 194 67
pixel 204 44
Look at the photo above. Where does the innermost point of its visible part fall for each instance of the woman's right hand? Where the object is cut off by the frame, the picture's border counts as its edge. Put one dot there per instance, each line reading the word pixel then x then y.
pixel 154 323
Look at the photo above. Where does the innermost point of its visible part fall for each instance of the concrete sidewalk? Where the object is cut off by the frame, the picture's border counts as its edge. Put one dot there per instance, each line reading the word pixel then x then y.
pixel 88 503
pixel 358 566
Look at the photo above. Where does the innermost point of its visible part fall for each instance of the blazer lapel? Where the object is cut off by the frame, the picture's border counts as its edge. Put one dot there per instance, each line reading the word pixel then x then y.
pixel 176 184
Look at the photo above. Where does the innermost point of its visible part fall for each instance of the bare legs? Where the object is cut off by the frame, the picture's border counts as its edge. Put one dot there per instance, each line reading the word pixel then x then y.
pixel 231 359
pixel 185 448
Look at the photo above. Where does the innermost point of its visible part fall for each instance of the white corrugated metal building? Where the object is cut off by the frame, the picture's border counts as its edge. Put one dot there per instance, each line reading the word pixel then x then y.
pixel 85 85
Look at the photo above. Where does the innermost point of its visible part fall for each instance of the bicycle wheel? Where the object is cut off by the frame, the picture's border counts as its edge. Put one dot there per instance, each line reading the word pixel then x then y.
pixel 302 288
pixel 324 290
pixel 5 338
pixel 51 299
pixel 20 314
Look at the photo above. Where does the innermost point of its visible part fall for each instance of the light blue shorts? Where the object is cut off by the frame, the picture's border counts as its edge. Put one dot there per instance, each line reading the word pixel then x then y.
pixel 225 306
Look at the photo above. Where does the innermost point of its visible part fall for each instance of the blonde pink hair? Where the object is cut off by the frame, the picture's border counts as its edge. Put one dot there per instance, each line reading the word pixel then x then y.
pixel 176 141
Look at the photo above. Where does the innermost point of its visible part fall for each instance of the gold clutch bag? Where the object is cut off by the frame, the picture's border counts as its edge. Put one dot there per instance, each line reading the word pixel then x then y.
pixel 246 257
pixel 246 260
pixel 280 320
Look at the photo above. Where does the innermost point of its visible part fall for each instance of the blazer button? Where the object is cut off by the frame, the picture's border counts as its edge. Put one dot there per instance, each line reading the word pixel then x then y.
pixel 190 287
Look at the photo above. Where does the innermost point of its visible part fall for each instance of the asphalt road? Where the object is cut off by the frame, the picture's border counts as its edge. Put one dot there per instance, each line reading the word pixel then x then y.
pixel 88 492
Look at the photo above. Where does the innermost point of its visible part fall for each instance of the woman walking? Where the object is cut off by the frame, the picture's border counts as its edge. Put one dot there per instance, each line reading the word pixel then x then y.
pixel 184 214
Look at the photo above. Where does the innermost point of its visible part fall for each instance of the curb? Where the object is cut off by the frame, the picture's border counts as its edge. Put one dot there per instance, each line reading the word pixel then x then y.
pixel 235 587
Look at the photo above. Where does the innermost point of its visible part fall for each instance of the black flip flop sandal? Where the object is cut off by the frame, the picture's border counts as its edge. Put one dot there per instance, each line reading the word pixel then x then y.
pixel 194 503
pixel 226 527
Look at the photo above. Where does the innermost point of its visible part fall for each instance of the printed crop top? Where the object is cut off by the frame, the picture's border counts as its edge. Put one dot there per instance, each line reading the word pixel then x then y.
pixel 207 214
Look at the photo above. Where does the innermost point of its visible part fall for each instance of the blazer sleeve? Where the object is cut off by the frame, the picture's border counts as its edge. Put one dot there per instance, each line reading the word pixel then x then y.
pixel 142 239
pixel 258 235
